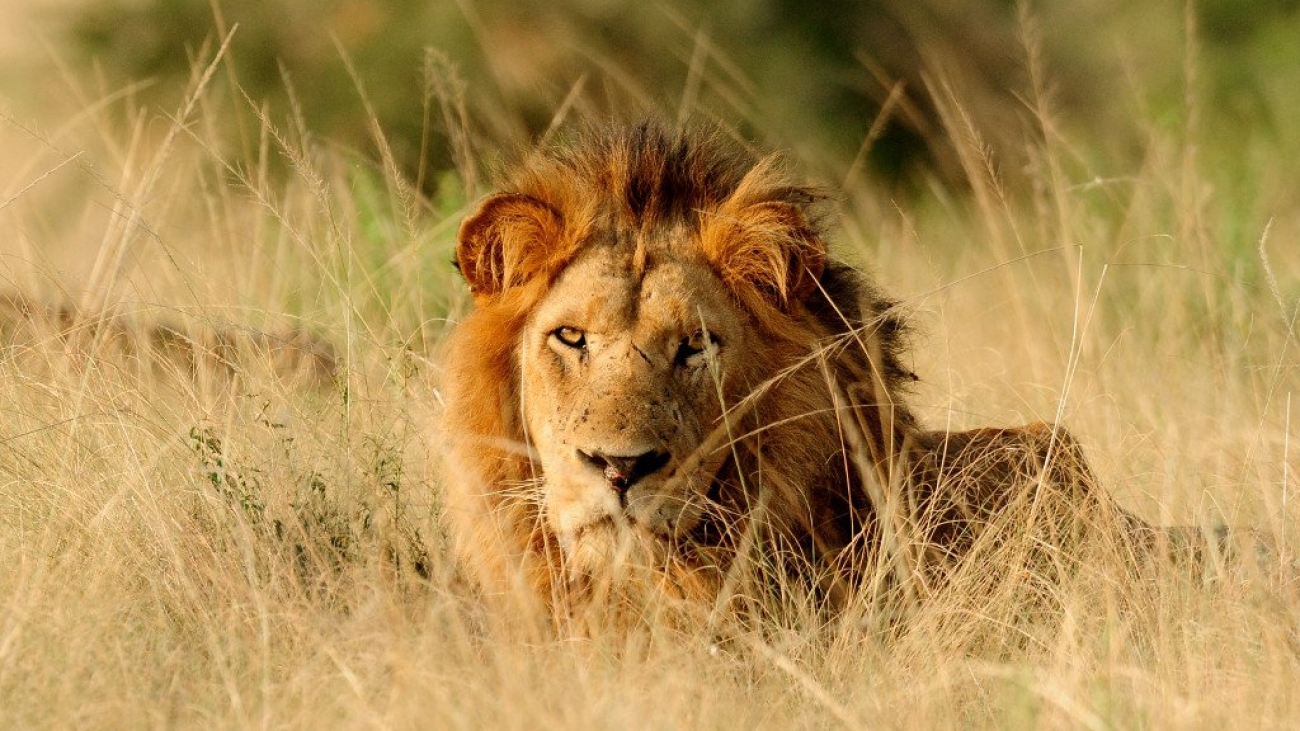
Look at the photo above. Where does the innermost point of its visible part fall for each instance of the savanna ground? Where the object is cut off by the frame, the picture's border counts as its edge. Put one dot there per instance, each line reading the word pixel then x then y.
pixel 256 547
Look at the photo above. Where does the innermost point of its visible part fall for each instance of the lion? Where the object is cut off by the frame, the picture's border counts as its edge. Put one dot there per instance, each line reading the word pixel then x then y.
pixel 667 382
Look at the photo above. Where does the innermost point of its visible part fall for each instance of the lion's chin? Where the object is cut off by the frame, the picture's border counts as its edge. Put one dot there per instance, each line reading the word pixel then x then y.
pixel 609 548
pixel 622 573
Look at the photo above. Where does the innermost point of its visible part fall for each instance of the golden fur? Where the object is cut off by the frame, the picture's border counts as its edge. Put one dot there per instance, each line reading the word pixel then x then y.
pixel 667 384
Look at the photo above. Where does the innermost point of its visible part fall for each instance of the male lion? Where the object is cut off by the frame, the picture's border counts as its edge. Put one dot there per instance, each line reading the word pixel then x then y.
pixel 667 384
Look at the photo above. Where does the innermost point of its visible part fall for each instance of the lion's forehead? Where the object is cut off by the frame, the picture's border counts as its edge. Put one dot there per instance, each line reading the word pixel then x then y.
pixel 611 290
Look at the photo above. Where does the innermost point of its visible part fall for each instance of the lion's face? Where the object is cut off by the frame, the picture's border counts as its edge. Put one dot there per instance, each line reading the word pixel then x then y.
pixel 643 303
pixel 624 369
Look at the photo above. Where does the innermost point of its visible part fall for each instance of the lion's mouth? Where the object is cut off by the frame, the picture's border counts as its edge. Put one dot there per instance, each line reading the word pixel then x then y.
pixel 646 526
pixel 624 540
pixel 619 526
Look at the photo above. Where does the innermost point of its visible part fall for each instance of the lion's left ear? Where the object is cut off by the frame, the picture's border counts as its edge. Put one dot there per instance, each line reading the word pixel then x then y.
pixel 508 241
pixel 768 247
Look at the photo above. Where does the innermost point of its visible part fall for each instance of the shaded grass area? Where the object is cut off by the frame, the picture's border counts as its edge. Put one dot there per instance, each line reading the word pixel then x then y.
pixel 205 544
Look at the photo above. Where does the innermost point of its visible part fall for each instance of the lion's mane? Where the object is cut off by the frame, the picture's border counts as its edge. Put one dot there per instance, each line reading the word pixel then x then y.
pixel 826 413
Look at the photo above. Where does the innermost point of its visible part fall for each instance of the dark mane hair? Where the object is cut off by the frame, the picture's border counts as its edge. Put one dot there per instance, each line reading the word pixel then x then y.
pixel 657 174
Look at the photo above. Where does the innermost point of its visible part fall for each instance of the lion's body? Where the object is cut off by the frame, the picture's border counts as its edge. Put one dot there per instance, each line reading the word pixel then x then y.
pixel 667 383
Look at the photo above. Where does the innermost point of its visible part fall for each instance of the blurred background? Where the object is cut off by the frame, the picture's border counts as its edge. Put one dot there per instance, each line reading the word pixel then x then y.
pixel 848 84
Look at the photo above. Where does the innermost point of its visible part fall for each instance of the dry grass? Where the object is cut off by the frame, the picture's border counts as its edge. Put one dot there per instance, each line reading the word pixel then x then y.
pixel 206 547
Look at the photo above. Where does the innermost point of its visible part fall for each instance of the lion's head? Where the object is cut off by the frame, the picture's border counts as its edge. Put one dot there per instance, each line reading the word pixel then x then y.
pixel 661 360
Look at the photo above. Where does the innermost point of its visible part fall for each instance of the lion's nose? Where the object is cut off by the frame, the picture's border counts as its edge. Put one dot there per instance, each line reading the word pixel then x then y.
pixel 623 472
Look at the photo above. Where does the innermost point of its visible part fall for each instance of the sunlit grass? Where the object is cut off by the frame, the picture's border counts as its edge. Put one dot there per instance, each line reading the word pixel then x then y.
pixel 236 545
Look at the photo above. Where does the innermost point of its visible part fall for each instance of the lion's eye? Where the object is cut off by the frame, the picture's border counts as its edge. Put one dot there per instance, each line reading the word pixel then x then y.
pixel 570 336
pixel 693 346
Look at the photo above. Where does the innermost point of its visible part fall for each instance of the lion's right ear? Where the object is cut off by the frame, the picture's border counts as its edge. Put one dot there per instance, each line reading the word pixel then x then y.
pixel 768 249
pixel 509 240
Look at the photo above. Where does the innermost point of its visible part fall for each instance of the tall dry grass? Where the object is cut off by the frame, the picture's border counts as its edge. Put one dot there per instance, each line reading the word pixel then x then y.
pixel 238 546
